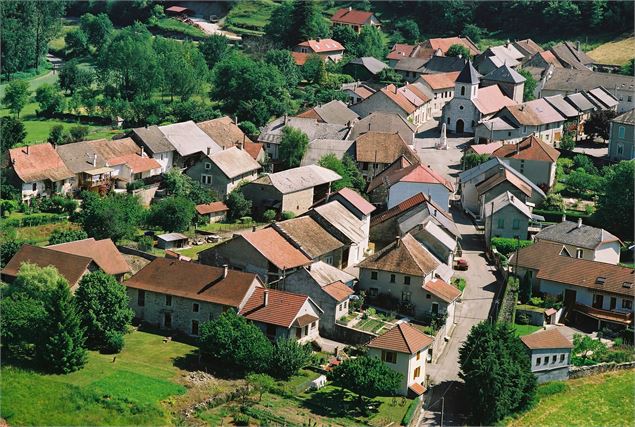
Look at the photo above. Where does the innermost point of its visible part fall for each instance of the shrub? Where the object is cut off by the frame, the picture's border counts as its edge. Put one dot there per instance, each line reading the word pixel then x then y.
pixel 145 243
pixel 135 185
pixel 506 246
pixel 63 236
pixel 113 343
pixel 287 215
pixel 241 419
pixel 410 412
pixel 536 301
pixel 269 215
pixel 78 133
pixel 246 220
pixel 567 143
pixel 249 128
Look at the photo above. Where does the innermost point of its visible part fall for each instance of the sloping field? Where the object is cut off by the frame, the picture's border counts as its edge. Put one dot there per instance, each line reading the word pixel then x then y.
pixel 618 51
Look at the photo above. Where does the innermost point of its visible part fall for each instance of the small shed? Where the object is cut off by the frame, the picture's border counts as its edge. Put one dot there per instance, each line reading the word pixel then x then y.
pixel 171 240
pixel 178 10
pixel 215 211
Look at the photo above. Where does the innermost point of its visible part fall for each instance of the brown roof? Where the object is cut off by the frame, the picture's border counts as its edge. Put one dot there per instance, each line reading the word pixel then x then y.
pixel 87 155
pixel 194 281
pixel 355 199
pixel 530 148
pixel 322 45
pixel 308 236
pixel 554 265
pixel 305 319
pixel 300 57
pixel 400 163
pixel 338 291
pixel 351 16
pixel 282 308
pixel 103 252
pixel 405 256
pixel 398 98
pixel 416 173
pixel 443 290
pixel 211 208
pixel 382 147
pixel 444 44
pixel 486 148
pixel 38 162
pixel 417 388
pixel 400 50
pixel 135 162
pixel 534 113
pixel 275 248
pixel 71 267
pixel 403 338
pixel 551 338
pixel 402 207
pixel 491 99
pixel 441 80
pixel 494 180
pixel 254 149
pixel 224 132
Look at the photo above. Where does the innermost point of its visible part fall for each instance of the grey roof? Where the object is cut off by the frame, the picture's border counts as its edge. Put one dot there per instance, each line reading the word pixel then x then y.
pixel 505 74
pixel 325 274
pixel 342 219
pixel 411 64
pixel 493 162
pixel 439 234
pixel 171 237
pixel 469 74
pixel 336 112
pixel 94 155
pixel 272 133
pixel 497 123
pixel 384 122
pixel 187 138
pixel 443 64
pixel 604 96
pixel 628 118
pixel 569 233
pixel 321 147
pixel 297 179
pixel 505 199
pixel 568 80
pixel 153 138
pixel 234 162
pixel 565 108
pixel 571 57
pixel 428 212
pixel 580 102
pixel 372 64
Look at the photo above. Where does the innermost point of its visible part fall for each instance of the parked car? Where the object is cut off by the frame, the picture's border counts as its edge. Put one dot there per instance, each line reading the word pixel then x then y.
pixel 461 264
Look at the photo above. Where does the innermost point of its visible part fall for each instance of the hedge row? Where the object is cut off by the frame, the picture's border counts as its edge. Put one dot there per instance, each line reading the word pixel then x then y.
pixel 556 216
pixel 506 246
pixel 35 219
pixel 410 412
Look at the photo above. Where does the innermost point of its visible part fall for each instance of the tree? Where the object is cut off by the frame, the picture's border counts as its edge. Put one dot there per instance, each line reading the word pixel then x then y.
pixel 73 78
pixel 180 185
pixel 269 215
pixel 314 70
pixel 8 249
pixel 16 95
pixel 583 161
pixel 115 216
pixel 530 85
pixel 615 205
pixel 77 42
pixel 59 236
pixel 284 62
pixel 458 50
pixel 553 202
pixel 97 28
pixel 370 42
pixel 346 168
pixel 408 28
pixel 628 68
pixel 277 30
pixel 562 13
pixel 581 182
pixel 525 288
pixel 17 45
pixel 366 377
pixel 474 32
pixel 182 66
pixel 567 142
pixel 22 317
pixel 12 133
pixel 172 214
pixel 472 159
pixel 293 146
pixel 238 205
pixel 289 357
pixel 497 373
pixel 389 76
pixel 346 36
pixel 103 306
pixel 214 48
pixel 233 341
pixel 261 384
pixel 599 123
pixel 78 133
pixel 50 99
pixel 306 22
pixel 57 135
pixel 64 350
pixel 46 23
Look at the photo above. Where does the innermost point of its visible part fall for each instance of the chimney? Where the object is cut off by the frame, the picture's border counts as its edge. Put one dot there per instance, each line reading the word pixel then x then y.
pixel 579 222
pixel 209 150
pixel 577 45
pixel 350 8
pixel 518 147
pixel 225 270
pixel 398 241
pixel 236 120
pixel 564 218
pixel 94 160
pixel 266 298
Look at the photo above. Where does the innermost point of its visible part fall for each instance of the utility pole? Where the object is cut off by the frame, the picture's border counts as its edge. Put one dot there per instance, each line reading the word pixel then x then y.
pixel 442 409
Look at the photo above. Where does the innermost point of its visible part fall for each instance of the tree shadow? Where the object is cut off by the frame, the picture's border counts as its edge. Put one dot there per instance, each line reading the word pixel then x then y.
pixel 454 404
pixel 195 361
pixel 337 402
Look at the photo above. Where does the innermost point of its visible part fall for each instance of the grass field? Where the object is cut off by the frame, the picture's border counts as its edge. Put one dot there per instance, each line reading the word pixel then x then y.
pixel 176 26
pixel 126 392
pixel 39 234
pixel 618 51
pixel 525 329
pixel 250 17
pixel 599 400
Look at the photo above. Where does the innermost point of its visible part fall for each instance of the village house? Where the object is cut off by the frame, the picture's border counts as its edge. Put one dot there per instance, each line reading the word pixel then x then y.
pixel 355 19
pixel 334 112
pixel 38 171
pixel 405 273
pixel 214 211
pixel 533 158
pixel 594 294
pixel 495 57
pixel 574 117
pixel 550 354
pixel 408 101
pixel 572 56
pixel 414 68
pixel 583 241
pixel 431 49
pixel 432 235
pixel 224 170
pixel 404 349
pixel 365 68
pixel 508 80
pixel 527 47
pixel 622 137
pixel 384 122
pixel 264 252
pixel 472 104
pixel 506 216
pixel 602 99
pixel 481 149
pixel 189 142
pixel 399 51
pixel 357 92
pixel 441 87
pixel 283 315
pixel 180 295
pixel 224 132
pixel 154 143
pixel 356 205
pixel 294 190
pixel 319 148
pixel 374 151
pixel 329 287
pixel 327 49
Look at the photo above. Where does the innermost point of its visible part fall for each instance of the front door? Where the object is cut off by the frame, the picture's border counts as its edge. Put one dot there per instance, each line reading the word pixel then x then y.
pixel 167 320
pixel 598 301
pixel 435 308
pixel 460 126
pixel 613 303
pixel 569 297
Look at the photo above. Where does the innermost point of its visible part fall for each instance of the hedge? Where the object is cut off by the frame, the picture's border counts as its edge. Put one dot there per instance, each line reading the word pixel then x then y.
pixel 556 216
pixel 35 219
pixel 506 245
pixel 410 412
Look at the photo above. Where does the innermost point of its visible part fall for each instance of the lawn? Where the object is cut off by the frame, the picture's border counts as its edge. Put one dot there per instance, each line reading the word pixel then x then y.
pixel 193 251
pixel 125 391
pixel 525 329
pixel 176 26
pixel 250 17
pixel 599 400
pixel 39 234
pixel 618 51
pixel 369 325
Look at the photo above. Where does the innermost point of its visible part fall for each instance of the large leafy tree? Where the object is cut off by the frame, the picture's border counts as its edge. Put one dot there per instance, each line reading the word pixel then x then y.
pixel 346 168
pixel 17 44
pixel 73 78
pixel 59 236
pixel 103 306
pixel 12 133
pixel 458 50
pixel 172 214
pixel 46 23
pixel 113 217
pixel 293 146
pixel 16 95
pixel 238 205
pixel 97 28
pixel 529 86
pixel 283 61
pixel 615 206
pixel 370 42
pixel 214 48
pixel 288 357
pixel 50 99
pixel 182 66
pixel 233 341
pixel 497 373
pixel 367 377
pixel 296 21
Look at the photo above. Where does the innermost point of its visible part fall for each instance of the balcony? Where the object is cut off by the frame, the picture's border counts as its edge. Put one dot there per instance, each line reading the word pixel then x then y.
pixel 605 315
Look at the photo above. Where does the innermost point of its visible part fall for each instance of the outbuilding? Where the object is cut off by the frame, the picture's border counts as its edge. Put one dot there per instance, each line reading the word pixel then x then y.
pixel 171 240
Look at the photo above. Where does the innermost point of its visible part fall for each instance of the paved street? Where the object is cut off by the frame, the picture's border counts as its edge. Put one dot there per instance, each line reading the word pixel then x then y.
pixel 446 162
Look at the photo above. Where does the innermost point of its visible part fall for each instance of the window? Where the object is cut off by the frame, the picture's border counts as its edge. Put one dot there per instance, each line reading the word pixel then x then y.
pixel 417 373
pixel 34 186
pixel 460 107
pixel 516 224
pixel 141 298
pixel 161 156
pixel 194 327
pixel 435 308
pixel 313 325
pixel 364 166
pixel 462 90
pixel 500 223
pixel 373 275
pixel 329 259
pixel 406 280
pixel 545 360
pixel 562 358
pixel 418 355
pixel 195 307
pixel 428 296
pixel 389 356
pixel 579 253
pixel 271 330
pixel 509 134
pixel 168 300
pixel 448 120
pixel 208 165
pixel 306 330
pixel 621 131
pixel 372 292
pixel 405 296
pixel 554 358
pixel 206 179
pixel 392 278
pixel 630 98
pixel 538 361
pixel 620 149
pixel 627 303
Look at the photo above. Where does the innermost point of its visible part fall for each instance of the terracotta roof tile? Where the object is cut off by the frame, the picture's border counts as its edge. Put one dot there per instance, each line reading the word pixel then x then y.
pixel 224 132
pixel 351 16
pixel 38 162
pixel 282 308
pixel 300 58
pixel 551 338
pixel 486 148
pixel 496 179
pixel 417 173
pixel 308 236
pixel 304 320
pixel 491 99
pixel 355 199
pixel 135 162
pixel 530 148
pixel 445 43
pixel 441 80
pixel 382 147
pixel 400 50
pixel 398 98
pixel 254 149
pixel 403 338
pixel 275 248
pixel 402 207
pixel 400 163
pixel 211 208
pixel 443 290
pixel 338 291
pixel 417 388
pixel 195 281
pixel 103 252
pixel 405 256
pixel 70 266
pixel 322 45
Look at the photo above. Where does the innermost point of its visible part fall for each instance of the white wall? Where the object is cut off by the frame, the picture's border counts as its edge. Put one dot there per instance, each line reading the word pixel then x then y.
pixel 165 160
pixel 549 354
pixel 405 365
pixel 608 252
pixel 401 191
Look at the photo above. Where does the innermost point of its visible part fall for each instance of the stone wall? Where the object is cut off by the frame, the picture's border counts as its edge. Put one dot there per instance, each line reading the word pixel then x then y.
pixel 536 318
pixel 560 374
pixel 351 336
pixel 130 251
pixel 585 371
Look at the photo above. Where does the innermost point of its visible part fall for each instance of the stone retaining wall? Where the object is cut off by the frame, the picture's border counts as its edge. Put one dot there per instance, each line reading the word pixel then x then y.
pixel 585 371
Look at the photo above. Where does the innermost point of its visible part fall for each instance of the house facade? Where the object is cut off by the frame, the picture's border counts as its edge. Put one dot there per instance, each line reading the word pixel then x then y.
pixel 533 158
pixel 506 216
pixel 409 102
pixel 153 142
pixel 441 86
pixel 550 354
pixel 622 137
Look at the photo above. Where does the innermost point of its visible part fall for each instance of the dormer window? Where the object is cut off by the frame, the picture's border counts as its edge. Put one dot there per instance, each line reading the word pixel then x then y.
pixel 600 280
pixel 579 253
pixel 627 285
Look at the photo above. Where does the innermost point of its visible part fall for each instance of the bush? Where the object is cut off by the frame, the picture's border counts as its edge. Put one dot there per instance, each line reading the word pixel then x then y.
pixel 78 133
pixel 287 215
pixel 567 143
pixel 113 343
pixel 63 236
pixel 269 215
pixel 507 246
pixel 249 128
pixel 536 301
pixel 410 412
pixel 145 243
pixel 135 185
pixel 246 220
pixel 241 419
pixel 556 216
pixel 35 219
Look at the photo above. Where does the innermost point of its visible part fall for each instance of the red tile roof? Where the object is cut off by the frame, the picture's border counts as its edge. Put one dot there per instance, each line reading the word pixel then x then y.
pixel 403 338
pixel 405 256
pixel 398 98
pixel 417 388
pixel 351 16
pixel 444 44
pixel 491 99
pixel 485 186
pixel 400 51
pixel 530 148
pixel 103 252
pixel 282 308
pixel 441 80
pixel 486 148
pixel 275 248
pixel 402 207
pixel 211 208
pixel 338 291
pixel 322 45
pixel 364 206
pixel 443 290
pixel 417 173
pixel 300 57
pixel 551 338
pixel 135 162
pixel 38 162
pixel 254 149
pixel 382 147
